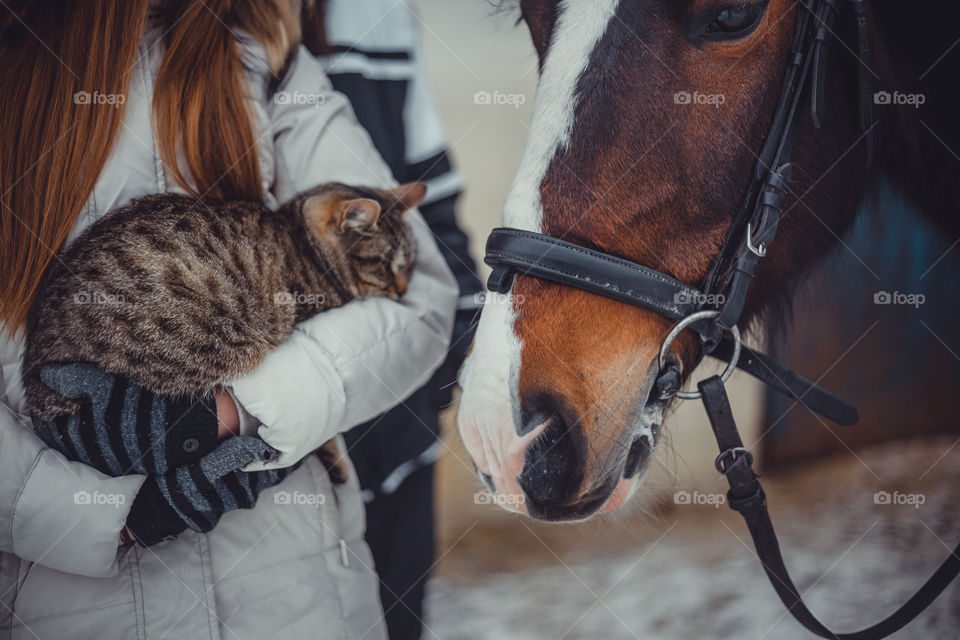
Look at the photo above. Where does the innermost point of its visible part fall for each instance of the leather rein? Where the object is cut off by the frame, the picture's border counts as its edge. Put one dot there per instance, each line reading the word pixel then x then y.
pixel 514 251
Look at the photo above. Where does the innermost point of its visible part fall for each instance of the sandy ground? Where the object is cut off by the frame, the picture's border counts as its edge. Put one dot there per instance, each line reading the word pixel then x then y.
pixel 689 571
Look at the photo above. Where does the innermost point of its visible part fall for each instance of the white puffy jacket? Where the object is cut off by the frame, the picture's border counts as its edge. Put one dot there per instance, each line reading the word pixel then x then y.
pixel 296 565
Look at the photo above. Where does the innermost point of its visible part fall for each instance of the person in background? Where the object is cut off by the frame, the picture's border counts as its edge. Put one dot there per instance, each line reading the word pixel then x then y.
pixel 370 50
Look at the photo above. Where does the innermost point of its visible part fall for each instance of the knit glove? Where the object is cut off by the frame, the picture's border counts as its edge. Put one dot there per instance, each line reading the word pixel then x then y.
pixel 124 428
pixel 198 494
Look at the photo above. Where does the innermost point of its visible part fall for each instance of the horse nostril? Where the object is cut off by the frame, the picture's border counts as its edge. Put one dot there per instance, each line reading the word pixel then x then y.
pixel 533 419
pixel 554 462
pixel 637 457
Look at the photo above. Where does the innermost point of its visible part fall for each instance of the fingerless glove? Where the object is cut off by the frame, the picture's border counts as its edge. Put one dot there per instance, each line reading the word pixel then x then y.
pixel 124 428
pixel 195 496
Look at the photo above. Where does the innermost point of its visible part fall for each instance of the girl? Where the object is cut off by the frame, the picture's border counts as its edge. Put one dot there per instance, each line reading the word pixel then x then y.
pixel 107 101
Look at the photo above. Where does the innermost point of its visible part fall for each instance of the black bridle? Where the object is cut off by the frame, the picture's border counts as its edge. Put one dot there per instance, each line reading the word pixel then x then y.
pixel 514 251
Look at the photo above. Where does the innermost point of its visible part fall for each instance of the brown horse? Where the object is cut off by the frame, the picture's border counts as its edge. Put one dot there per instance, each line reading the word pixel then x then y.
pixel 647 124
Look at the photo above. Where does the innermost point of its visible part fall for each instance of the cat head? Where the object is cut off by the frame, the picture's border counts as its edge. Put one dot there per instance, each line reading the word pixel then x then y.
pixel 361 232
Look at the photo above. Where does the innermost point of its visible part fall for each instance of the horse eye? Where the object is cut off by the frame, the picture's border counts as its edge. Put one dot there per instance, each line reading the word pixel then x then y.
pixel 736 21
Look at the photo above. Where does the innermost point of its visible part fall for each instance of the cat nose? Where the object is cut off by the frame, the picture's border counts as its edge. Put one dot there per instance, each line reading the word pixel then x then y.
pixel 402 282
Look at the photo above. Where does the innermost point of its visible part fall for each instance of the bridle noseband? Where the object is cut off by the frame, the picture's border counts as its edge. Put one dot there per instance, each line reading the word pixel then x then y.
pixel 514 251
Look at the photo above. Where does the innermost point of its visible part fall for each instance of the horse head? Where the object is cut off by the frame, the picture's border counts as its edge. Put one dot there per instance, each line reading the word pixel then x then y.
pixel 648 121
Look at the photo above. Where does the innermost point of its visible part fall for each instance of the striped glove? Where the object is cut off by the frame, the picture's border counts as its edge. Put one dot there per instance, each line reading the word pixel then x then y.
pixel 124 428
pixel 198 494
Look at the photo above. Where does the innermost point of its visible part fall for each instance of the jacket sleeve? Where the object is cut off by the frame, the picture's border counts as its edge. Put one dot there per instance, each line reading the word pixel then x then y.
pixel 345 365
pixel 61 514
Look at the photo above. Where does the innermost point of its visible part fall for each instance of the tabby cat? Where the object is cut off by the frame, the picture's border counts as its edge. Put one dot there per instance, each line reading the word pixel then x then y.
pixel 181 296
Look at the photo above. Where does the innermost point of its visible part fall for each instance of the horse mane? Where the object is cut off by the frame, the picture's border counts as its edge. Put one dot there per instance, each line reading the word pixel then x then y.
pixel 911 53
pixel 921 157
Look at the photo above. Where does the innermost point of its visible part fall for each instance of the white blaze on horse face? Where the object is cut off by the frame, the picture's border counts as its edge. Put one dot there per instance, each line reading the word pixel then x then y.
pixel 488 378
pixel 579 27
pixel 490 406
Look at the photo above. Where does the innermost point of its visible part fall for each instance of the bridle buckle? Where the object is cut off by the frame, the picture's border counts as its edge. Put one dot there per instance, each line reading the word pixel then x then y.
pixel 733 454
pixel 760 249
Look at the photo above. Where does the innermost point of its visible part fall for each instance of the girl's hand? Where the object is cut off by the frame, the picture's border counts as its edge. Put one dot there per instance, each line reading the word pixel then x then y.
pixel 123 428
pixel 196 495
pixel 228 418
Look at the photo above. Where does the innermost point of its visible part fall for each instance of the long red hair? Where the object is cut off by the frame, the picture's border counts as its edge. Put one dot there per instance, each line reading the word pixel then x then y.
pixel 57 143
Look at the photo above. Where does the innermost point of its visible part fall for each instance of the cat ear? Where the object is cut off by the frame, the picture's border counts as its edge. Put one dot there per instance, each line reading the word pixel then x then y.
pixel 408 196
pixel 359 214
